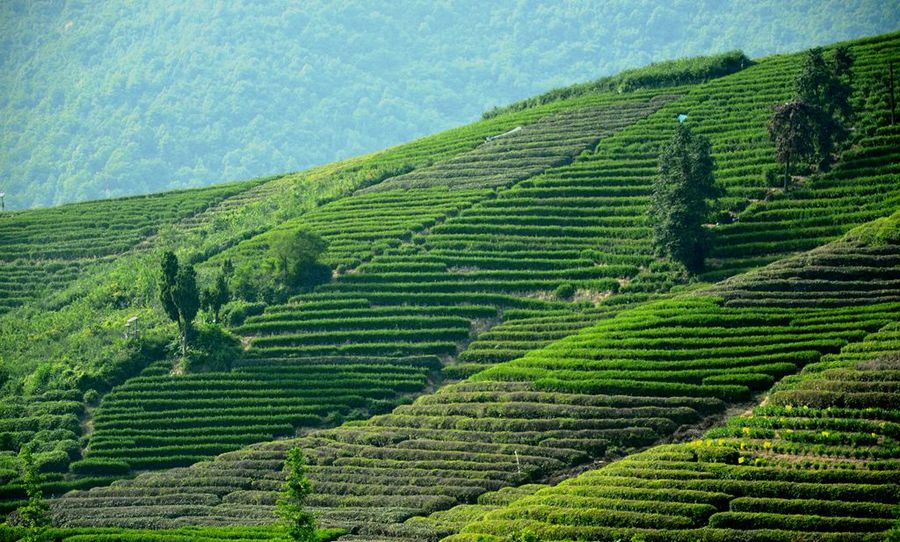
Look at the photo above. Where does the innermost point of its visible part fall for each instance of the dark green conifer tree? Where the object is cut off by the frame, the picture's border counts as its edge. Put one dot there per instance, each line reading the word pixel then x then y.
pixel 301 524
pixel 824 87
pixel 679 207
pixel 179 295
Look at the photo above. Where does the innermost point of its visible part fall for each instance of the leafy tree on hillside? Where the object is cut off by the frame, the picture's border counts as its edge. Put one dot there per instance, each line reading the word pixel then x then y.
pixel 679 207
pixel 810 126
pixel 216 296
pixel 843 60
pixel 293 258
pixel 35 512
pixel 179 295
pixel 291 264
pixel 794 128
pixel 827 85
pixel 301 524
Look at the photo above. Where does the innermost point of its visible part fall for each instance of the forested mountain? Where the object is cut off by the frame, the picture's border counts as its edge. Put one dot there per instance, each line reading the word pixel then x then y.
pixel 109 99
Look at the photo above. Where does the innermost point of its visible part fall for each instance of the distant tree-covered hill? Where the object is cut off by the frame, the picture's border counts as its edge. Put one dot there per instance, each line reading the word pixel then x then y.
pixel 115 98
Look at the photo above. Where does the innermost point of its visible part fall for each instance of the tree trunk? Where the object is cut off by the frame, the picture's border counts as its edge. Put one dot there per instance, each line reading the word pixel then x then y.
pixel 185 329
pixel 787 170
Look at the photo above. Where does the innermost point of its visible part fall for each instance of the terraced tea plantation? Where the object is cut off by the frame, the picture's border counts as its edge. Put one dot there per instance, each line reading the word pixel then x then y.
pixel 369 351
pixel 628 381
pixel 500 355
pixel 817 462
pixel 48 249
pixel 391 367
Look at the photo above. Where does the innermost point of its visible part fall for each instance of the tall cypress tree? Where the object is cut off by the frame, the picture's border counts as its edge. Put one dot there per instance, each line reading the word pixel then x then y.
pixel 217 295
pixel 301 524
pixel 179 295
pixel 187 297
pixel 826 84
pixel 169 271
pixel 679 208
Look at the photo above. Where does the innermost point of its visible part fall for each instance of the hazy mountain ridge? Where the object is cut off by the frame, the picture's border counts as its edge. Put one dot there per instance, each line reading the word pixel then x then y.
pixel 98 104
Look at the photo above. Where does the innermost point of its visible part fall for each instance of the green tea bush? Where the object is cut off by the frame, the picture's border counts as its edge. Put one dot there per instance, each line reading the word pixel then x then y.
pixel 92 466
pixel 212 349
pixel 235 312
pixel 565 291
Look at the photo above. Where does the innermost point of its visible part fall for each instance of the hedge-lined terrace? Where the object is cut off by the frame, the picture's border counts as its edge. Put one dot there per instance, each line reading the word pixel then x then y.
pixel 391 211
pixel 624 383
pixel 380 336
pixel 45 250
pixel 817 209
pixel 818 461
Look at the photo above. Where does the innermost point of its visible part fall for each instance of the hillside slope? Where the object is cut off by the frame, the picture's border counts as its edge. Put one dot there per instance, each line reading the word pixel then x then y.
pixel 84 327
pixel 613 385
pixel 501 272
pixel 437 257
pixel 270 207
pixel 817 460
pixel 44 252
pixel 368 350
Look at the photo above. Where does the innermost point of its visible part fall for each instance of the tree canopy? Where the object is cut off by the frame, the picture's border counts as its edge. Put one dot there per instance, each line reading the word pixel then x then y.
pixel 679 206
pixel 35 513
pixel 795 130
pixel 293 259
pixel 301 523
pixel 810 126
pixel 827 85
pixel 216 296
pixel 179 295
